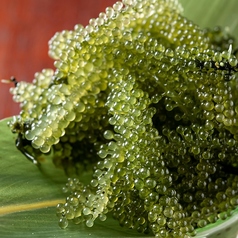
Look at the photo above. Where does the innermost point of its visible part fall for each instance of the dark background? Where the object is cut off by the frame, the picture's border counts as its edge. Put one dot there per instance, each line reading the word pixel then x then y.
pixel 26 26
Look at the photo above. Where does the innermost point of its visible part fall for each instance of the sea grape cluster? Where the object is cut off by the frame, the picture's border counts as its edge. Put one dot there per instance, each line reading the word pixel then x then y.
pixel 147 101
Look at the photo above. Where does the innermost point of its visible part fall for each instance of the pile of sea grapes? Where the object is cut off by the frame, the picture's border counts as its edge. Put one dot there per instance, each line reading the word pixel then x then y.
pixel 147 101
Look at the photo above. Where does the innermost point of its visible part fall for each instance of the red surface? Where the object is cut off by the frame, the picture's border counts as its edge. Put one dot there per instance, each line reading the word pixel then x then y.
pixel 26 26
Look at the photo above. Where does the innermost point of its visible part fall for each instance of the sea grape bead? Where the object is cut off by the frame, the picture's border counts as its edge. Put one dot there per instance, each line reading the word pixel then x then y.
pixel 63 222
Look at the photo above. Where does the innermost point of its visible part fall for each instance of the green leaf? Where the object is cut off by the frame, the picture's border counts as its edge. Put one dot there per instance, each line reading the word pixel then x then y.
pixel 28 196
pixel 213 13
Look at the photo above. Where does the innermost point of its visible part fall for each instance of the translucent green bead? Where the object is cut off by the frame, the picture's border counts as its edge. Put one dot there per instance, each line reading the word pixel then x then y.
pixel 89 222
pixel 29 135
pixel 45 148
pixel 63 222
pixel 108 135
pixel 168 212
